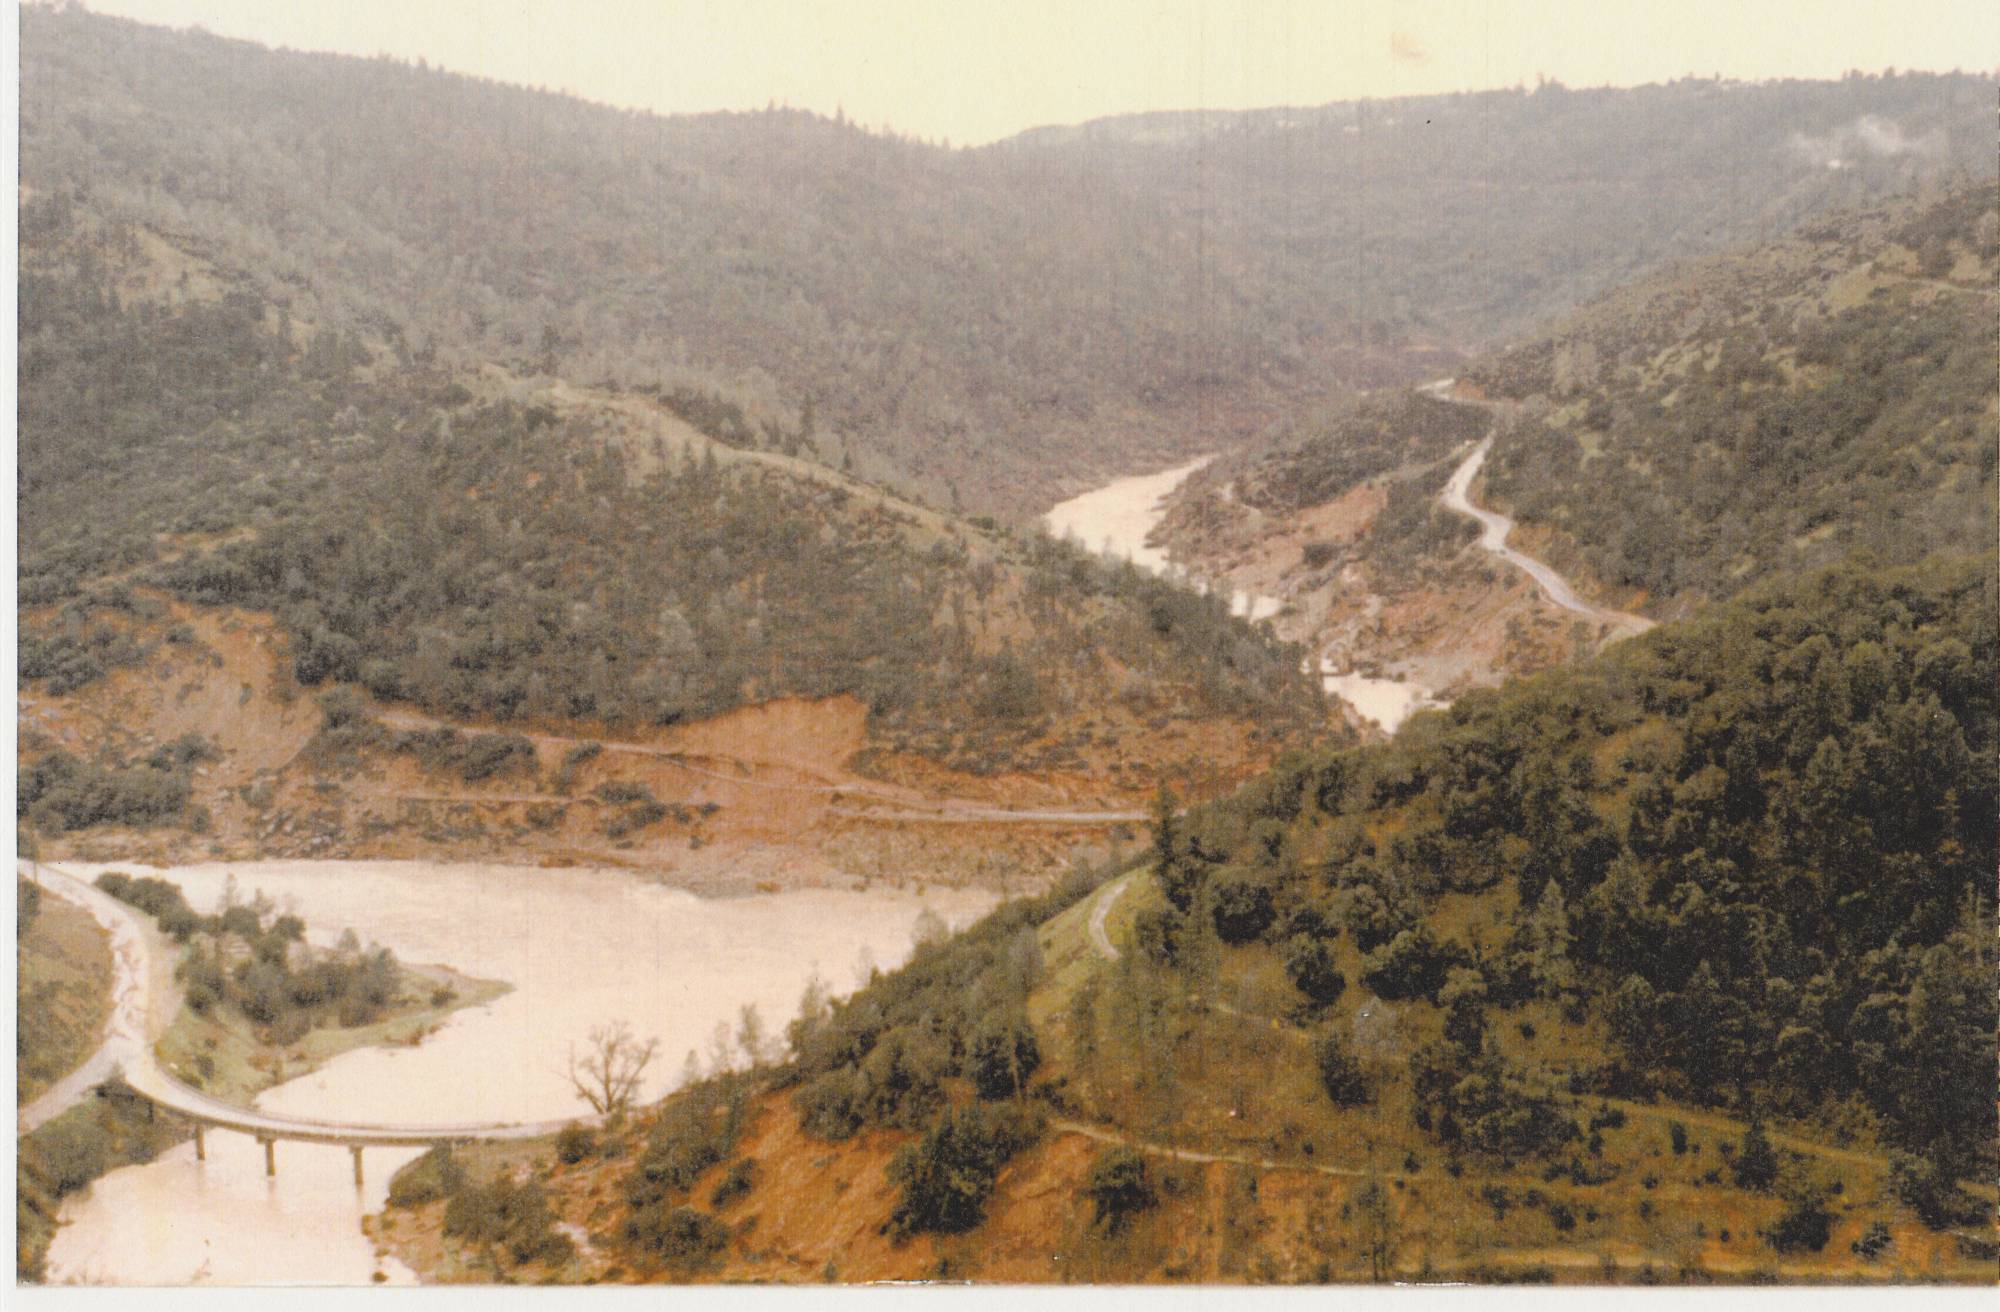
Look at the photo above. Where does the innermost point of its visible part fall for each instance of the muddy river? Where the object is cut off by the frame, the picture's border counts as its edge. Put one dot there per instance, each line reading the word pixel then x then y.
pixel 1118 518
pixel 581 948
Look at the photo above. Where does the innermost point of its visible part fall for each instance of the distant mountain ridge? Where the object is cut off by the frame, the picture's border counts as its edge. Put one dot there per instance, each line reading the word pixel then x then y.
pixel 997 326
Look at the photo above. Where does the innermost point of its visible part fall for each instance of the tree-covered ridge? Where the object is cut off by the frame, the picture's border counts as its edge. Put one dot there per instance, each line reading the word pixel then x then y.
pixel 1755 848
pixel 1472 217
pixel 510 569
pixel 997 321
pixel 490 550
pixel 1769 411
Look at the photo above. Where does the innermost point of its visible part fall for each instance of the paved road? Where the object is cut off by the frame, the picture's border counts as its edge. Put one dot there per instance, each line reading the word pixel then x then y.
pixel 1493 537
pixel 144 1003
pixel 127 1030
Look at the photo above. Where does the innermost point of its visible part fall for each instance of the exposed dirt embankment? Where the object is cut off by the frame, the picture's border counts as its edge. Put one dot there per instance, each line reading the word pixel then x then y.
pixel 789 793
pixel 1425 604
pixel 818 1212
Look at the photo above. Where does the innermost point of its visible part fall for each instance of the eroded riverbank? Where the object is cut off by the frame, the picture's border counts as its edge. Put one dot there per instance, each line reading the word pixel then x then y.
pixel 1120 520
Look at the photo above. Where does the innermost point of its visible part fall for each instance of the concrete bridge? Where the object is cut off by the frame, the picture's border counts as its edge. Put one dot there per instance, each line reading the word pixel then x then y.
pixel 144 1002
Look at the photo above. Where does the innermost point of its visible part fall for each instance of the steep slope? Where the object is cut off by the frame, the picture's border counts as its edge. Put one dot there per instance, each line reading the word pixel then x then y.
pixel 1002 324
pixel 215 495
pixel 1617 973
pixel 1769 411
pixel 1752 414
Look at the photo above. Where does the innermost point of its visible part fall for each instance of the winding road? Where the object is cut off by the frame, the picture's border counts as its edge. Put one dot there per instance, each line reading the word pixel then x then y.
pixel 1494 529
pixel 144 1002
pixel 127 1029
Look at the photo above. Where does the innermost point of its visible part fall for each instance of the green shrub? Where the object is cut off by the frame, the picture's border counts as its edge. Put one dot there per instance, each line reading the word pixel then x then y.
pixel 946 1178
pixel 73 1152
pixel 902 1079
pixel 830 1106
pixel 696 1129
pixel 1806 1223
pixel 27 905
pixel 1119 1188
pixel 1309 962
pixel 1002 1056
pixel 681 1237
pixel 1477 1103
pixel 1371 919
pixel 189 749
pixel 343 708
pixel 512 1215
pixel 1340 1074
pixel 59 793
pixel 472 758
pixel 1756 1163
pixel 737 1181
pixel 575 1143
pixel 1874 1242
pixel 1159 933
pixel 619 792
pixel 1928 1188
pixel 1414 964
pixel 437 1174
pixel 1242 909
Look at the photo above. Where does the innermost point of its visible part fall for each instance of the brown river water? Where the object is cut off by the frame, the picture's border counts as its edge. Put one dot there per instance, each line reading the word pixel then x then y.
pixel 581 948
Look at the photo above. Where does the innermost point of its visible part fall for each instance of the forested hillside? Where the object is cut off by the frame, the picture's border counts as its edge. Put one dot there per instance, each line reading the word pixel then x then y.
pixel 1770 410
pixel 997 325
pixel 1320 458
pixel 1767 831
pixel 1746 415
pixel 1621 972
pixel 492 550
pixel 1473 217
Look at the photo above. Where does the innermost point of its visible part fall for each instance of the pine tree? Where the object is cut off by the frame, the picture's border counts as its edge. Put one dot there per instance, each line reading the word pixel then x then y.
pixel 1549 941
pixel 1756 1165
pixel 1166 831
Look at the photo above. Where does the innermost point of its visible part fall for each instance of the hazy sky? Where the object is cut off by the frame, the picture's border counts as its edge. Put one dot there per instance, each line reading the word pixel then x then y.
pixel 974 72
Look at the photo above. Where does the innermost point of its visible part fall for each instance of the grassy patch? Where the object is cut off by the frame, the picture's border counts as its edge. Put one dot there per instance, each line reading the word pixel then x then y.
pixel 62 996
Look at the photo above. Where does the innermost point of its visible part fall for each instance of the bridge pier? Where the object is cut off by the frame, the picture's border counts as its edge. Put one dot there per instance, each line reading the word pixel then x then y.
pixel 200 1144
pixel 270 1156
pixel 355 1148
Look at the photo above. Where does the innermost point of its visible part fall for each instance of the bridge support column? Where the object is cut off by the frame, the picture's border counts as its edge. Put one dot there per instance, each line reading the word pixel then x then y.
pixel 200 1145
pixel 355 1148
pixel 270 1156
